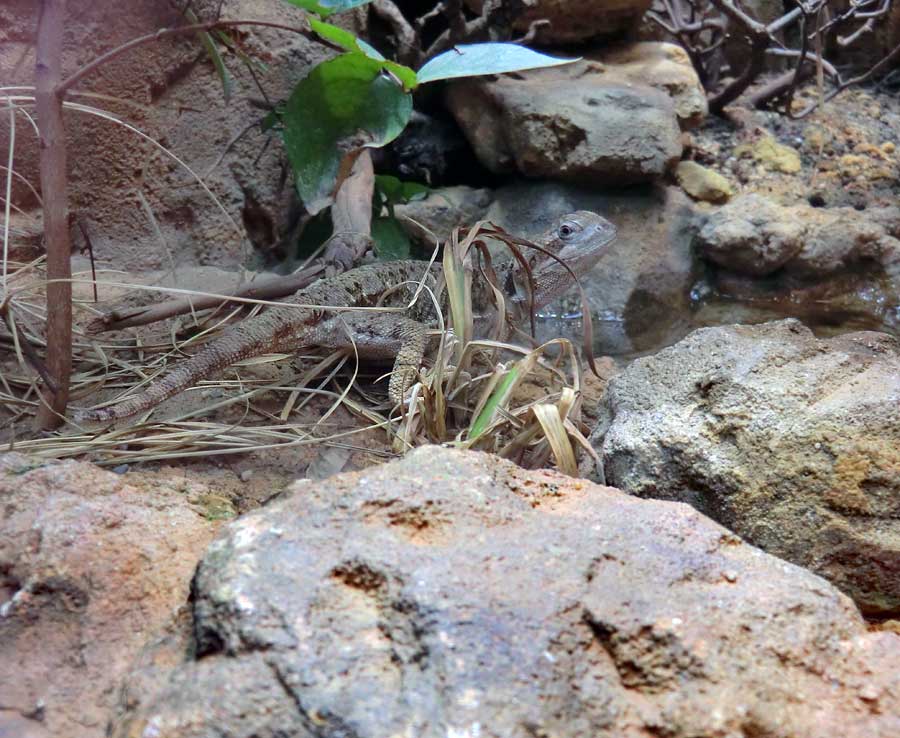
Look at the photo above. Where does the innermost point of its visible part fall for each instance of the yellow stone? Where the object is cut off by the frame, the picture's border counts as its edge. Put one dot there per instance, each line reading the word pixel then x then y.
pixel 774 156
pixel 702 183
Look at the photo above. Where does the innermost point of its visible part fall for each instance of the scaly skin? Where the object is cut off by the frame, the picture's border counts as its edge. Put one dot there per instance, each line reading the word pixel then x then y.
pixel 578 239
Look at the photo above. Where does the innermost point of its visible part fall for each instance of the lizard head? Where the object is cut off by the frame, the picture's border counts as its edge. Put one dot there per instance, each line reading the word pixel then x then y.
pixel 578 240
pixel 579 234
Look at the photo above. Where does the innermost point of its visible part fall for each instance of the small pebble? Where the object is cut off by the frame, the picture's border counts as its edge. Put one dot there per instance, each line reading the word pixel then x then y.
pixel 730 575
pixel 120 469
pixel 246 474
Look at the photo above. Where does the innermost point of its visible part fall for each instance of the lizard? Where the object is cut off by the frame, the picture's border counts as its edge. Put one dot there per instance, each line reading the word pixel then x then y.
pixel 577 240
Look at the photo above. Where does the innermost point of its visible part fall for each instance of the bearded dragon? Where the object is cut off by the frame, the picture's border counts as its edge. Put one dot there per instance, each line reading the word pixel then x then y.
pixel 577 240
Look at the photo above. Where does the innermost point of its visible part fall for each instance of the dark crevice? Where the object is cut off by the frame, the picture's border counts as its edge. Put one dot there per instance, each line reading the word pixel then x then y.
pixel 320 723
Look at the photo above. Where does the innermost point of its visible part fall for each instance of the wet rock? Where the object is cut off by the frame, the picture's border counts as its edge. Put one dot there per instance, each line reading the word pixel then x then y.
pixel 90 568
pixel 452 593
pixel 640 293
pixel 702 183
pixel 572 21
pixel 790 441
pixel 818 262
pixel 588 122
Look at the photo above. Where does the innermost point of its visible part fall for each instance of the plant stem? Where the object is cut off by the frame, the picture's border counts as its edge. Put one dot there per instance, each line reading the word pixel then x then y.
pixel 48 98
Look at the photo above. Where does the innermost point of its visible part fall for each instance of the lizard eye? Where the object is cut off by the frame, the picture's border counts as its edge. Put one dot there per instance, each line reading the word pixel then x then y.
pixel 566 230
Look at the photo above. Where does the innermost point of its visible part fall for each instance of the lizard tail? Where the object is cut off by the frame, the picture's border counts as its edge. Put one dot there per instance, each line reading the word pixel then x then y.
pixel 216 356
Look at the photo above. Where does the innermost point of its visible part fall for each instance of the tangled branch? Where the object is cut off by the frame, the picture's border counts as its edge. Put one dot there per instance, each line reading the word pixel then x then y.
pixel 805 35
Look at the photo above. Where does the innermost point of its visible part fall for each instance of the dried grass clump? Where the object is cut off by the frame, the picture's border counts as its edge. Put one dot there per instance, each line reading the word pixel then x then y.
pixel 520 402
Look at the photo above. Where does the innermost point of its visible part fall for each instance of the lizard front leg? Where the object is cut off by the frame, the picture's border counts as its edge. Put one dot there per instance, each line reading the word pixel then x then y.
pixel 378 336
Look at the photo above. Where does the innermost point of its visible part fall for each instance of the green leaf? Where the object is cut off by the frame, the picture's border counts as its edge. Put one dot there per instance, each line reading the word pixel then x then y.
pixel 391 241
pixel 342 38
pixel 213 53
pixel 348 41
pixel 470 60
pixel 344 105
pixel 327 7
pixel 499 398
pixel 396 191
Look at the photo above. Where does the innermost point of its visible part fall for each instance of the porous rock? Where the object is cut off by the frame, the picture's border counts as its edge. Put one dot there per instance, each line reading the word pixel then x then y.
pixel 91 568
pixel 451 593
pixel 816 261
pixel 751 235
pixel 790 441
pixel 702 183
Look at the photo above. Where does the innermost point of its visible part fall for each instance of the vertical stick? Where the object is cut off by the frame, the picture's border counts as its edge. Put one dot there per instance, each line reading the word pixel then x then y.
pixel 48 73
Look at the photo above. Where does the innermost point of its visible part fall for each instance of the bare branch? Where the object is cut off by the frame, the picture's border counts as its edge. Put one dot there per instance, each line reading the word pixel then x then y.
pixel 54 190
pixel 408 44
pixel 700 26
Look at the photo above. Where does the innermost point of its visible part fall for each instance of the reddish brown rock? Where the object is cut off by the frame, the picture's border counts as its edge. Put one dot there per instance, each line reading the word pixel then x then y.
pixel 452 593
pixel 90 569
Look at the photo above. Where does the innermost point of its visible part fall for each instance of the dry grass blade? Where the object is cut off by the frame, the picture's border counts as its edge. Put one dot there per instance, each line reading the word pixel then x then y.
pixel 555 432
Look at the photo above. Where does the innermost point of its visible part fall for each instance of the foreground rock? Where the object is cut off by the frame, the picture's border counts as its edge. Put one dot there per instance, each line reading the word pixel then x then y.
pixel 790 441
pixel 608 120
pixel 451 593
pixel 90 568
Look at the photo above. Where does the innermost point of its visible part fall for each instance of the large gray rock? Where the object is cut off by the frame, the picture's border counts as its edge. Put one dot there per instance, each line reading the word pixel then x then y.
pixel 441 211
pixel 453 594
pixel 91 567
pixel 790 441
pixel 590 122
